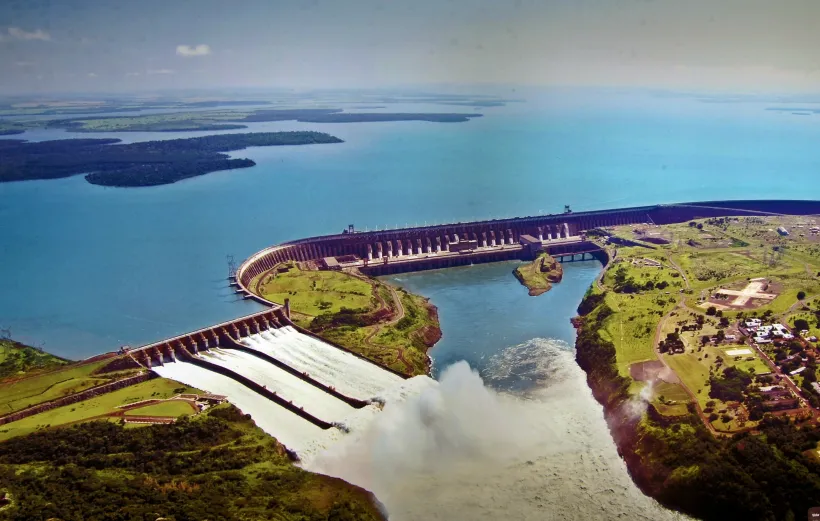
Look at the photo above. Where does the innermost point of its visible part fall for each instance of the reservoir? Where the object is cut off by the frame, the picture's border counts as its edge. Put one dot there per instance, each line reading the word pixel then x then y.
pixel 85 269
pixel 512 431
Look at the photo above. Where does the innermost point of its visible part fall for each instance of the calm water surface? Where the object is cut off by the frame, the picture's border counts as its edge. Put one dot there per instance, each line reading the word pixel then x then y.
pixel 85 269
pixel 483 308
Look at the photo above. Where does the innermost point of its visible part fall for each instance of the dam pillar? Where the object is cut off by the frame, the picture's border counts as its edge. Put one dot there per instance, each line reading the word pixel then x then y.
pixel 492 238
pixel 566 230
pixel 287 308
pixel 398 248
pixel 378 250
pixel 483 239
pixel 455 237
pixel 446 244
pixel 369 252
pixel 389 249
pixel 510 237
pixel 418 246
pixel 428 245
pixel 540 234
pixel 438 244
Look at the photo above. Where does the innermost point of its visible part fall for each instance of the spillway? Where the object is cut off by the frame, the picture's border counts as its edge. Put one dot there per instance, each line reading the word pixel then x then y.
pixel 347 373
pixel 293 431
pixel 320 364
pixel 285 385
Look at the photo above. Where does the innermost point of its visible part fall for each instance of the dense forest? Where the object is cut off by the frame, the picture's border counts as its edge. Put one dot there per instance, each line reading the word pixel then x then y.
pixel 145 163
pixel 219 467
pixel 770 475
pixel 78 125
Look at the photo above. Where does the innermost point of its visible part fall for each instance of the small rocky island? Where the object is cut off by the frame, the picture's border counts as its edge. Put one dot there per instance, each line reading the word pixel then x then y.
pixel 540 274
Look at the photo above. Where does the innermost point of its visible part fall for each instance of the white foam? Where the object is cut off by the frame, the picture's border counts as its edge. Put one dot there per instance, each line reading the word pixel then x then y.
pixel 293 431
pixel 288 387
pixel 348 374
pixel 459 450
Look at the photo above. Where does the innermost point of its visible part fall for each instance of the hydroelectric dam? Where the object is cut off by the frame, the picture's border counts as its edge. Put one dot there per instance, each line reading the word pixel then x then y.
pixel 308 392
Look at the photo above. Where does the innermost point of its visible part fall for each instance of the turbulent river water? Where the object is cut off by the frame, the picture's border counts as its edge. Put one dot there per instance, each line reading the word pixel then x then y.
pixel 512 434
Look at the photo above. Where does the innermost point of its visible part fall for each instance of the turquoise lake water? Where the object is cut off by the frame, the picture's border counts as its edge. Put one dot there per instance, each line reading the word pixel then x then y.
pixel 85 269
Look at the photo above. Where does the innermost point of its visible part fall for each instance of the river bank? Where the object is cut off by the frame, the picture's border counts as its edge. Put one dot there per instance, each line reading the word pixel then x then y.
pixel 674 459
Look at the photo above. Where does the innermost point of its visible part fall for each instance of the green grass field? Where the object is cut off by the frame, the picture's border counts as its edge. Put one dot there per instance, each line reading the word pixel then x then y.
pixel 670 399
pixel 385 346
pixel 172 408
pixel 632 326
pixel 48 386
pixel 317 292
pixel 157 388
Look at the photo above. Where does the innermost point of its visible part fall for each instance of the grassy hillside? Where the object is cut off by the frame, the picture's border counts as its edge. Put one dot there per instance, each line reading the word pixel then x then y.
pixel 386 324
pixel 18 360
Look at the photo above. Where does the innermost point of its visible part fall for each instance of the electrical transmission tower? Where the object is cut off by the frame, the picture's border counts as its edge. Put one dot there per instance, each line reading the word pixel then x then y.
pixel 231 266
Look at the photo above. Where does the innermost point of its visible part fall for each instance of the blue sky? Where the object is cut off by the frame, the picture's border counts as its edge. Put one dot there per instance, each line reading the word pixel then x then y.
pixel 99 45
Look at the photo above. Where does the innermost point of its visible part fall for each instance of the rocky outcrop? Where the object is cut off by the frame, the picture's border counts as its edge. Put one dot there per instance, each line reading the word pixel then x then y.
pixel 539 275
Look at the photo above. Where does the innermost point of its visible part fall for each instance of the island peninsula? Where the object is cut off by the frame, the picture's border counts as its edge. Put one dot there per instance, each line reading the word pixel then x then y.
pixel 147 163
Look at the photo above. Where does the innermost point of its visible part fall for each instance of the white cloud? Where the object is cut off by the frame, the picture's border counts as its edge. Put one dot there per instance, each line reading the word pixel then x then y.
pixel 23 63
pixel 193 50
pixel 132 74
pixel 21 34
pixel 92 74
pixel 160 71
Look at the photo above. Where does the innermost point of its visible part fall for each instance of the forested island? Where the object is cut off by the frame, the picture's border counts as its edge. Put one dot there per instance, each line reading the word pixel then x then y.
pixel 231 119
pixel 148 163
pixel 126 124
pixel 337 116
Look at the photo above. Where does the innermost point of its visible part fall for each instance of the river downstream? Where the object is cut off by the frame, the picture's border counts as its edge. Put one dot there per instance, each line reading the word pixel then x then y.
pixel 512 431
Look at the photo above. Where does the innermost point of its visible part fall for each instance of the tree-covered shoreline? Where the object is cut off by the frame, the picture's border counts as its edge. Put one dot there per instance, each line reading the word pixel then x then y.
pixel 147 163
pixel 757 476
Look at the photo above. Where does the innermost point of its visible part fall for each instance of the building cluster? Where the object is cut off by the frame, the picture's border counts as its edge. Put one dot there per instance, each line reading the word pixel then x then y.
pixel 766 333
pixel 777 397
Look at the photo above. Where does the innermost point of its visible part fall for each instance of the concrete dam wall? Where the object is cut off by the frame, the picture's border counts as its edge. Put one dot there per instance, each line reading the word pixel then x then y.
pixel 410 249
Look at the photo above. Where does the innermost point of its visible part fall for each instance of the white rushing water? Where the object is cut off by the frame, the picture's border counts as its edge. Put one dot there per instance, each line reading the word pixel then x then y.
pixel 348 374
pixel 292 430
pixel 325 363
pixel 288 387
pixel 462 451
